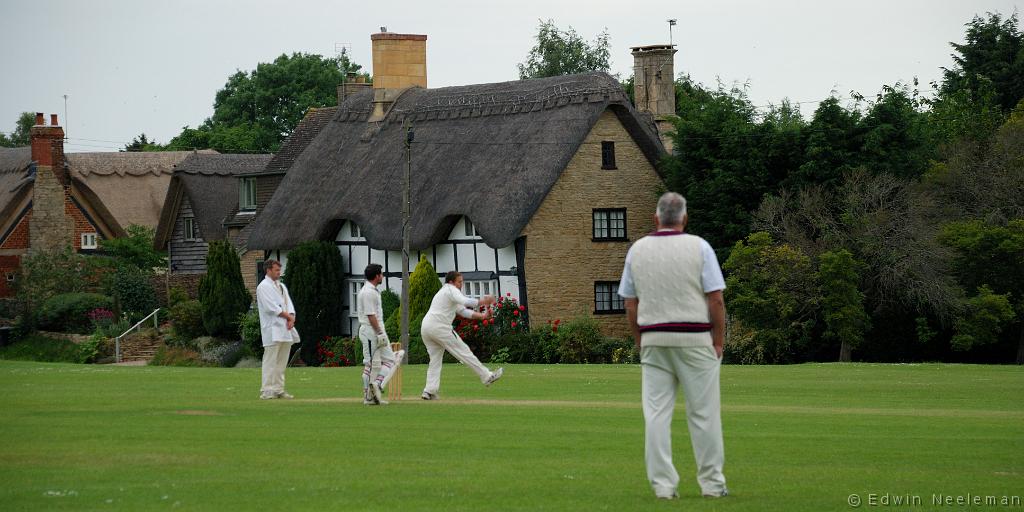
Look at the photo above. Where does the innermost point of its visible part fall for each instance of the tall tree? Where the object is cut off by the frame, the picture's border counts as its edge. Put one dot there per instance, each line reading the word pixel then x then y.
pixel 564 52
pixel 315 280
pixel 842 303
pixel 256 110
pixel 993 53
pixel 21 136
pixel 142 143
pixel 222 291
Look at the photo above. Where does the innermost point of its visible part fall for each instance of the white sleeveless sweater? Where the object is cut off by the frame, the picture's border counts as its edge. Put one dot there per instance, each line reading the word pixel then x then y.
pixel 673 310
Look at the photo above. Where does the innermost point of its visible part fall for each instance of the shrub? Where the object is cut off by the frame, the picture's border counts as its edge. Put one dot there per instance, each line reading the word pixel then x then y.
pixel 89 350
pixel 613 350
pixel 331 351
pixel 132 291
pixel 315 278
pixel 577 340
pixel 222 352
pixel 69 312
pixel 175 356
pixel 49 273
pixel 187 320
pixel 176 295
pixel 36 347
pixel 249 332
pixel 222 292
pixel 389 301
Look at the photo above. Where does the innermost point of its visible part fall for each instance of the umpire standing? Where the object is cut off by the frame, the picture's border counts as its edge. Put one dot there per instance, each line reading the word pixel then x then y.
pixel 672 286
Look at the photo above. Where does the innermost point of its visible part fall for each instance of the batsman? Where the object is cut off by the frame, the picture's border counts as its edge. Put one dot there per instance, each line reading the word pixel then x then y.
pixel 376 345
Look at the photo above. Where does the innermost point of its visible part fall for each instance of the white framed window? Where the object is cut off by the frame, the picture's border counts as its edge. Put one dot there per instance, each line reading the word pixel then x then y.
pixel 477 289
pixel 354 230
pixel 354 286
pixel 89 241
pixel 247 194
pixel 470 228
pixel 190 228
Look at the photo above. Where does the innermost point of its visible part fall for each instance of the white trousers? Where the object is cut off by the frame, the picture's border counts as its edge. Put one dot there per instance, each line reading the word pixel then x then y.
pixel 380 354
pixel 697 369
pixel 275 359
pixel 439 338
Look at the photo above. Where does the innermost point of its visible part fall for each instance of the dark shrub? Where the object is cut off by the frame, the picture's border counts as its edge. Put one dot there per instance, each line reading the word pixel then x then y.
pixel 315 279
pixel 222 291
pixel 69 312
pixel 187 320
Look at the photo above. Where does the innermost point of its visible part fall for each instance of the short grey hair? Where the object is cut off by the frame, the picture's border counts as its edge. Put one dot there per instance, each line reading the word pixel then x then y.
pixel 671 208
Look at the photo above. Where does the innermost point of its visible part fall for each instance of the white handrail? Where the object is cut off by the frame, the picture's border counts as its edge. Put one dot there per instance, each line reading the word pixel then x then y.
pixel 117 342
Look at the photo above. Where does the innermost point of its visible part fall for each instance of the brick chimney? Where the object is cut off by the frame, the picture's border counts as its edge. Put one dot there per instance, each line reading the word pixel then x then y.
pixel 354 82
pixel 654 85
pixel 50 229
pixel 399 62
pixel 48 145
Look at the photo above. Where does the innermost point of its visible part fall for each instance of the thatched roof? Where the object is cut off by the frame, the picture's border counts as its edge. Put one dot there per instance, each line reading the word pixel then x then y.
pixel 15 176
pixel 490 152
pixel 210 181
pixel 307 129
pixel 131 185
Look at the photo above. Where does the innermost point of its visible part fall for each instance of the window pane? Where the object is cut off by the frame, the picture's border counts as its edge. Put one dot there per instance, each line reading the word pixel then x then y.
pixel 470 229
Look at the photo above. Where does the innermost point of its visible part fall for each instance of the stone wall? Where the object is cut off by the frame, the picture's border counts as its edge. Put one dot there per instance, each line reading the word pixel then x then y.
pixel 51 229
pixel 562 259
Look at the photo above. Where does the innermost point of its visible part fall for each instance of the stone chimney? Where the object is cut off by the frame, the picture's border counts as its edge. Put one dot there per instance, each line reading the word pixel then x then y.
pixel 50 229
pixel 399 62
pixel 354 82
pixel 654 85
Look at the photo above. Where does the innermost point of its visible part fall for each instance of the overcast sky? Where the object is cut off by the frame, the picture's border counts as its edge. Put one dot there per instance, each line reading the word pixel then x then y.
pixel 130 67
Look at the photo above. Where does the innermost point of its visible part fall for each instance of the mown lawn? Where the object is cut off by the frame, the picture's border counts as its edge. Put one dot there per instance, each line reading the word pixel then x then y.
pixel 543 438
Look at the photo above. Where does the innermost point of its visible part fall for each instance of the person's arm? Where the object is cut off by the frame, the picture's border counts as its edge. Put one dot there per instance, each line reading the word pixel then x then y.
pixel 716 307
pixel 631 305
pixel 265 299
pixel 474 315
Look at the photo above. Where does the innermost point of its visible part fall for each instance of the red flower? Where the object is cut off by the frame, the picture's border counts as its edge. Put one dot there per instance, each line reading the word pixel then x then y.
pixel 513 324
pixel 522 308
pixel 476 327
pixel 515 312
pixel 509 294
pixel 558 321
pixel 330 354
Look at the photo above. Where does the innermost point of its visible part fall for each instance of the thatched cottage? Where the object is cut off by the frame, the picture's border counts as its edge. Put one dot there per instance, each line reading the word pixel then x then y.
pixel 531 188
pixel 50 200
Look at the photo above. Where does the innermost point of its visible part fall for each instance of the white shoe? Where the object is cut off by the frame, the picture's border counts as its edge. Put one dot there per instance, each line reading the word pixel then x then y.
pixel 267 396
pixel 494 376
pixel 284 394
pixel 721 494
pixel 428 396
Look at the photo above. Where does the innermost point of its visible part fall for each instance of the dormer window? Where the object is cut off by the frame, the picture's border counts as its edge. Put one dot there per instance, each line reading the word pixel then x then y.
pixel 247 194
pixel 355 232
pixel 470 228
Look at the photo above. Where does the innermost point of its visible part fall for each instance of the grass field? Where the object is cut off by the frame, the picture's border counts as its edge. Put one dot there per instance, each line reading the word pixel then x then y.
pixel 543 438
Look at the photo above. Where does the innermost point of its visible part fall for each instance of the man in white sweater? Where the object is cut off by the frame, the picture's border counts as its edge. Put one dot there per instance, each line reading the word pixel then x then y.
pixel 672 286
pixel 277 328
pixel 439 336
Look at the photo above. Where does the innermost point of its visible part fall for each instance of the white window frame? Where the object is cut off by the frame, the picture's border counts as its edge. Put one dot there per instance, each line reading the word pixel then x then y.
pixel 478 288
pixel 90 241
pixel 247 194
pixel 354 285
pixel 189 232
pixel 470 229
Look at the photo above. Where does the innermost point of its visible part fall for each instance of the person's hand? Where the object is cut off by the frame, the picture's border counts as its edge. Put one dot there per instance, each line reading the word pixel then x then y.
pixel 487 300
pixel 488 313
pixel 291 323
pixel 718 351
pixel 382 339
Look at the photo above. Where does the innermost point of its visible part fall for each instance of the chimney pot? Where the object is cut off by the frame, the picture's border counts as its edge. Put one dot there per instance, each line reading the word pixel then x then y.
pixel 53 120
pixel 40 120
